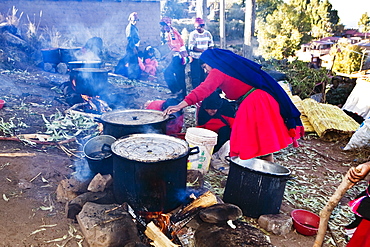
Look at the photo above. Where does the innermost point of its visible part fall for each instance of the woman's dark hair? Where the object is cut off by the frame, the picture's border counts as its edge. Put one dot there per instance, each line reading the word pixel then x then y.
pixel 213 101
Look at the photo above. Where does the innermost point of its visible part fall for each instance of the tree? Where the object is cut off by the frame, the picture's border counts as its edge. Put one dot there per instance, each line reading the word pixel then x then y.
pixel 322 18
pixel 347 58
pixel 175 9
pixel 265 8
pixel 364 23
pixel 282 33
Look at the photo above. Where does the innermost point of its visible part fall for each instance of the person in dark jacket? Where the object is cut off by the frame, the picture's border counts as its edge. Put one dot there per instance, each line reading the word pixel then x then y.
pixel 217 114
pixel 129 65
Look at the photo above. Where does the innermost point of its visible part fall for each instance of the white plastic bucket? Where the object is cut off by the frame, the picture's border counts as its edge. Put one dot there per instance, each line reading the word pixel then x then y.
pixel 205 140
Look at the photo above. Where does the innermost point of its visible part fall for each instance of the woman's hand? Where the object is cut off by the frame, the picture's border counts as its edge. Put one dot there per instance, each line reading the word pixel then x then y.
pixel 175 108
pixel 359 172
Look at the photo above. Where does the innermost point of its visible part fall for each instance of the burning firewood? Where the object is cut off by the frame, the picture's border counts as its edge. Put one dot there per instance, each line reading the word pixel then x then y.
pixel 158 237
pixel 203 201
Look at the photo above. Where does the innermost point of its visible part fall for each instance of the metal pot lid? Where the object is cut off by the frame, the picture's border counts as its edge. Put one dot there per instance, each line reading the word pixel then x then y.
pixel 90 70
pixel 262 166
pixel 150 148
pixel 85 62
pixel 134 117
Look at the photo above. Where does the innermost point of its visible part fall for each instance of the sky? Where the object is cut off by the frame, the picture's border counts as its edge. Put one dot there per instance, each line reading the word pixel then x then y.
pixel 350 11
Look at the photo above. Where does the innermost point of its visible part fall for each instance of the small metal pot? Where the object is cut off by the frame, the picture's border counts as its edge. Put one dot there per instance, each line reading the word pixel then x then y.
pixel 150 171
pixel 125 122
pixel 98 154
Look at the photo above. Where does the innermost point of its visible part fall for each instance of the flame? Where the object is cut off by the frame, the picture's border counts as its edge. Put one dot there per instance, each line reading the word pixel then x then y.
pixel 161 220
pixel 86 97
pixel 73 83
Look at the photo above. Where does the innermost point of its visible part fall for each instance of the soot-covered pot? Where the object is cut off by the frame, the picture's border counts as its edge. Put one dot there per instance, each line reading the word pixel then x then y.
pixel 126 122
pixel 150 170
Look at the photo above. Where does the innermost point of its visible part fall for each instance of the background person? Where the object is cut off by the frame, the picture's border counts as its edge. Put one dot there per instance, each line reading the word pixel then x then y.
pixel 129 65
pixel 149 63
pixel 199 41
pixel 174 74
pixel 218 115
pixel 266 120
pixel 173 126
pixel 361 207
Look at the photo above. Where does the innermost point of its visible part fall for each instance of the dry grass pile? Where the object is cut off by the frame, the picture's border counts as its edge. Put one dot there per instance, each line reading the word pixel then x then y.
pixel 329 121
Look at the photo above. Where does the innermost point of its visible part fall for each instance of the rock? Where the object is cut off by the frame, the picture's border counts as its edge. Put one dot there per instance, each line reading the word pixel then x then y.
pixel 70 188
pixel 278 224
pixel 48 67
pixel 220 213
pixel 62 68
pixel 24 184
pixel 74 206
pixel 113 229
pixel 14 40
pixel 100 182
pixel 211 235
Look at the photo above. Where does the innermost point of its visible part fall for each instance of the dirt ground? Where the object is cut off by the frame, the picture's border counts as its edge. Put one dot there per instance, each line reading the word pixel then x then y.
pixel 31 216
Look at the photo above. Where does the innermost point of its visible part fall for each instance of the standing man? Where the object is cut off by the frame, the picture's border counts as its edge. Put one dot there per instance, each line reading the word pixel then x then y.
pixel 129 65
pixel 199 41
pixel 174 74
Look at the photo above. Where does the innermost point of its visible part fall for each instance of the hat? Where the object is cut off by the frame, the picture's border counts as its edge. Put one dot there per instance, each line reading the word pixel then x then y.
pixel 165 21
pixel 199 21
pixel 133 16
pixel 213 101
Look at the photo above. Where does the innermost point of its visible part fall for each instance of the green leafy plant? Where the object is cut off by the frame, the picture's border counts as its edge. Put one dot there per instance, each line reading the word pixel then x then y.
pixel 62 127
pixel 303 79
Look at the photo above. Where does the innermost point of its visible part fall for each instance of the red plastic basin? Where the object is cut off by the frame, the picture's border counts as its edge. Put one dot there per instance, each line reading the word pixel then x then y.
pixel 305 222
pixel 2 102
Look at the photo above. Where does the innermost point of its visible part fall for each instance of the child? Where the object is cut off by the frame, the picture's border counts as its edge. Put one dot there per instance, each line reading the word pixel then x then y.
pixel 361 207
pixel 149 64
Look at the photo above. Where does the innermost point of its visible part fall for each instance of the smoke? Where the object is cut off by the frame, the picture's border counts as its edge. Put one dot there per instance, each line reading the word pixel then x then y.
pixel 82 170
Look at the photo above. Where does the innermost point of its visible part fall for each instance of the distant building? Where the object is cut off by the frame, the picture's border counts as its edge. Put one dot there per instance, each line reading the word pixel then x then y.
pixel 318 52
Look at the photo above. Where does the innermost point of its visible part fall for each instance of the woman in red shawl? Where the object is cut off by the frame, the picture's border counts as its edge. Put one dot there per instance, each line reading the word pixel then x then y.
pixel 266 120
pixel 361 207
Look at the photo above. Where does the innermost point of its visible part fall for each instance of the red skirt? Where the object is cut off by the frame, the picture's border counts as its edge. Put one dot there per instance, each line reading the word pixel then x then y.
pixel 361 237
pixel 258 128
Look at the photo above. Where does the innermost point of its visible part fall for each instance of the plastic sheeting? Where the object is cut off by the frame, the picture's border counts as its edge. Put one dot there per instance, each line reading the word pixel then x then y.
pixel 359 100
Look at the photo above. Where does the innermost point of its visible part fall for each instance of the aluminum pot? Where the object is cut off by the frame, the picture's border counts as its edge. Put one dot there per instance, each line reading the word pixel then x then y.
pixel 125 122
pixel 150 170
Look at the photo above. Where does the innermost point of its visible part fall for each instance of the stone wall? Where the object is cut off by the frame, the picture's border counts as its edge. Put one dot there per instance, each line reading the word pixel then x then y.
pixel 78 20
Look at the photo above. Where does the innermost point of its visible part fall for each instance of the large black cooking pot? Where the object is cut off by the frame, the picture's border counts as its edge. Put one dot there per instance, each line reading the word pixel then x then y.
pixel 134 121
pixel 68 54
pixel 149 171
pixel 256 186
pixel 84 64
pixel 89 81
pixel 51 55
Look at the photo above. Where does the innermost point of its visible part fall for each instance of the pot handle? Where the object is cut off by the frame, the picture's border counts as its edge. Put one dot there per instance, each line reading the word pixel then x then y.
pixel 290 177
pixel 106 148
pixel 98 119
pixel 194 150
